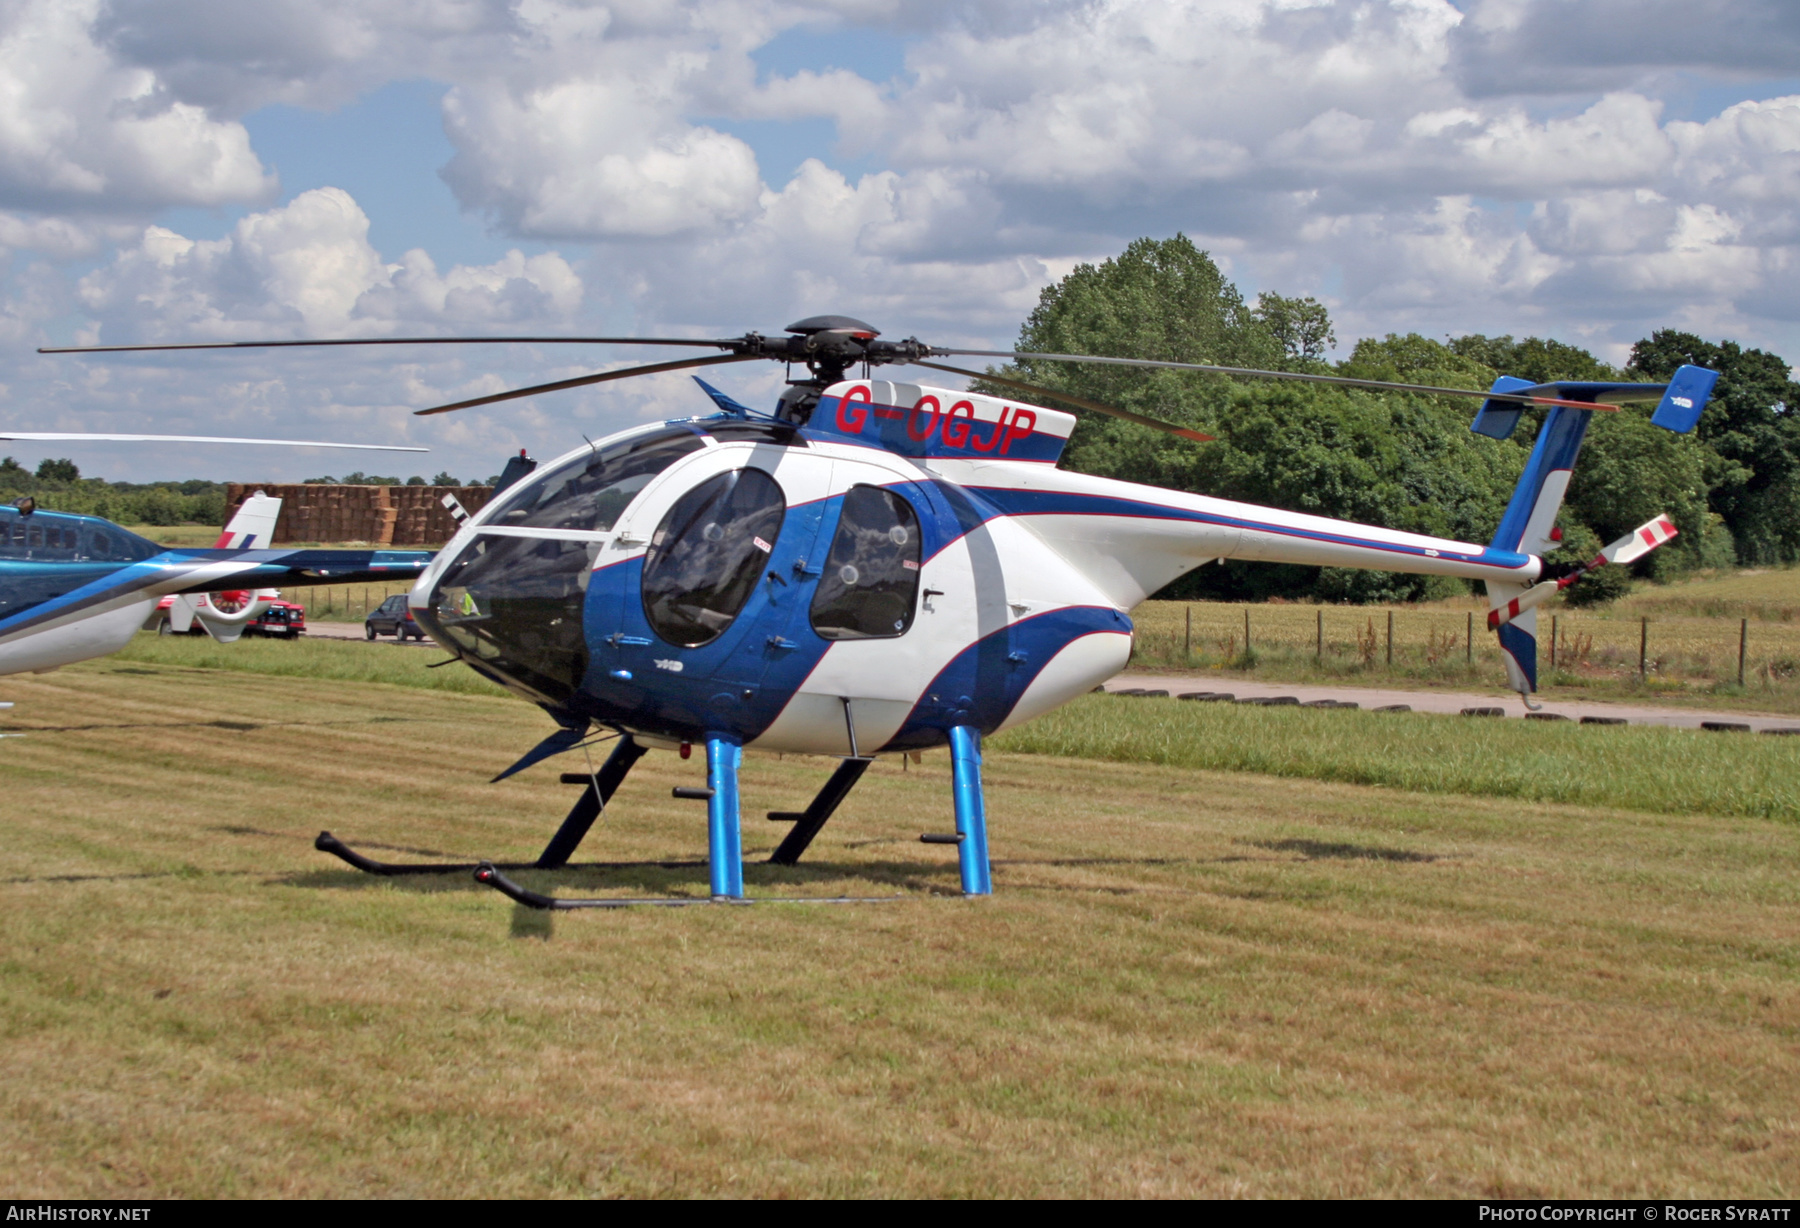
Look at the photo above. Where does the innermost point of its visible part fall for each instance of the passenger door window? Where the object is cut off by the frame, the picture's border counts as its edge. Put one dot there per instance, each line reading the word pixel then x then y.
pixel 870 586
pixel 708 553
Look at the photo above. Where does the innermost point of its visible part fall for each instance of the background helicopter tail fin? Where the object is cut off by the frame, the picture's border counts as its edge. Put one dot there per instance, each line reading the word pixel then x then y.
pixel 254 525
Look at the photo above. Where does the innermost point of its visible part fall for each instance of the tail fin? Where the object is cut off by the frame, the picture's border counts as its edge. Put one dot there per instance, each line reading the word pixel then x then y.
pixel 254 525
pixel 1529 523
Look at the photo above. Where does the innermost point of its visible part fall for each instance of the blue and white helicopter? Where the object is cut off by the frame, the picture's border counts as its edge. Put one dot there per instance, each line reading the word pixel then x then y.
pixel 882 567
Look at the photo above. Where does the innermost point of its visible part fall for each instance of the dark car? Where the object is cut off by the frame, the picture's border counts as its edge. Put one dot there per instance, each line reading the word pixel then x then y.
pixel 392 617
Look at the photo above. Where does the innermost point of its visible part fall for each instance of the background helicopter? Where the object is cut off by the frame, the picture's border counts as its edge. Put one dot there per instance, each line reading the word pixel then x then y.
pixel 884 567
pixel 74 587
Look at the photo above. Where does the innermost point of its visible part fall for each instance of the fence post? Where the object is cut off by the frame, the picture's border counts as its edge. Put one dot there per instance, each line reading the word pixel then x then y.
pixel 1553 641
pixel 1469 640
pixel 1643 650
pixel 1743 642
pixel 1246 631
pixel 1187 644
pixel 1319 650
pixel 1390 642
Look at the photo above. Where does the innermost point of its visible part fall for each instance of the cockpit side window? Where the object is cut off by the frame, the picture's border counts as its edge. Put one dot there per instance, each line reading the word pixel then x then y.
pixel 708 553
pixel 871 583
pixel 592 490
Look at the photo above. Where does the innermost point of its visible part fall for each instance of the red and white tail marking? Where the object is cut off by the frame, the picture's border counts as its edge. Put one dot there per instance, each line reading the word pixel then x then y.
pixel 1640 541
pixel 254 525
pixel 1628 549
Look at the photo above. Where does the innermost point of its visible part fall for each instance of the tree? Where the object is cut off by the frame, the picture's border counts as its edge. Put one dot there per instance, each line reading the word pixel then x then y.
pixel 443 478
pixel 1406 462
pixel 1302 326
pixel 1537 359
pixel 58 471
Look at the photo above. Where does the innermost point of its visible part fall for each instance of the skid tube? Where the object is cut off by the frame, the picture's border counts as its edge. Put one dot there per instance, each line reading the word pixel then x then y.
pixel 489 875
pixel 328 843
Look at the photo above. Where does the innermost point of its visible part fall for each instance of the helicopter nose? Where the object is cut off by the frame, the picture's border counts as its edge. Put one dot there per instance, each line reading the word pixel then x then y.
pixel 511 606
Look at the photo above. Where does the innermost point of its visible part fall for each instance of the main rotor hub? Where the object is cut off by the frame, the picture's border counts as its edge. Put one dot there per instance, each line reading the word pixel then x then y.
pixel 812 325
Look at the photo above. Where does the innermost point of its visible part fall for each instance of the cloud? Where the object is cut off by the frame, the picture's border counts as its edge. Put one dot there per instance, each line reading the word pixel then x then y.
pixel 1582 46
pixel 82 132
pixel 592 159
pixel 307 269
pixel 1502 165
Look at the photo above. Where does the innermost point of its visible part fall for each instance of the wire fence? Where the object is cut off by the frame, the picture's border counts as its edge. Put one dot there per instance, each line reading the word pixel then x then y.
pixel 343 602
pixel 1453 642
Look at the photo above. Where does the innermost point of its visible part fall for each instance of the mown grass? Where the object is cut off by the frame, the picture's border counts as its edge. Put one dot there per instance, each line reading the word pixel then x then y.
pixel 1188 982
pixel 1648 768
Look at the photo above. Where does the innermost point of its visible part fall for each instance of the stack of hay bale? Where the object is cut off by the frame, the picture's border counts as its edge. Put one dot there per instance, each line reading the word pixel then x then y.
pixel 404 516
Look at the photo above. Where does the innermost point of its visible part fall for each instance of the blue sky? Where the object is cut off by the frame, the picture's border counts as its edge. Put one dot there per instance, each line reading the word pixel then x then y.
pixel 187 170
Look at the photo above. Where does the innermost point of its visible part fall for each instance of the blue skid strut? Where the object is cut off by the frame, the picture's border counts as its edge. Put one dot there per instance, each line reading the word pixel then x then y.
pixel 725 851
pixel 971 812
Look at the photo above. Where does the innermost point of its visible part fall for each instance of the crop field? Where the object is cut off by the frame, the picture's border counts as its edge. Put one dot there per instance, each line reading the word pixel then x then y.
pixel 1219 960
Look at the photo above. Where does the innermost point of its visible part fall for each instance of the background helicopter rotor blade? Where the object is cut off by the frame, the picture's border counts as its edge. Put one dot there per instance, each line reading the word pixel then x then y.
pixel 1652 391
pixel 584 380
pixel 270 345
pixel 1083 402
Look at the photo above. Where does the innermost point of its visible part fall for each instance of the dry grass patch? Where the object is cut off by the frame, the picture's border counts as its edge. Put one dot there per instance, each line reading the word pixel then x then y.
pixel 1188 982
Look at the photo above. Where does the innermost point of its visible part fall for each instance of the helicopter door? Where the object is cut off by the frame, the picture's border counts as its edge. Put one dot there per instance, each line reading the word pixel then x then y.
pixel 723 575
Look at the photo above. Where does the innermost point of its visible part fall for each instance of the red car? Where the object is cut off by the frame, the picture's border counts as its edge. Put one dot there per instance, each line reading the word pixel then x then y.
pixel 283 618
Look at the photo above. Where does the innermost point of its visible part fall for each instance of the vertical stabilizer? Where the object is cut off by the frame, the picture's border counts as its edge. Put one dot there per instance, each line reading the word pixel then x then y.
pixel 1529 527
pixel 253 528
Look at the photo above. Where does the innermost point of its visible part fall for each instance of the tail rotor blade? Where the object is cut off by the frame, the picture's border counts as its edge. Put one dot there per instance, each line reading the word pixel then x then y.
pixel 1628 549
pixel 1113 411
pixel 585 380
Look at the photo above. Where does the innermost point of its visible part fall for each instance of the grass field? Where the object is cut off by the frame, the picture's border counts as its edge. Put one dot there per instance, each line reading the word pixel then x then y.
pixel 1190 981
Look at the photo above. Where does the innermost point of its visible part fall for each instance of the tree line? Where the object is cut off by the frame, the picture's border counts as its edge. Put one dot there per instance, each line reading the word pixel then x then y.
pixel 1401 460
pixel 57 485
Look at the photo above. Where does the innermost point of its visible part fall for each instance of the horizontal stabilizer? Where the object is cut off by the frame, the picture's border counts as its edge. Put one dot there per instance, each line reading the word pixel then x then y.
pixel 1681 399
pixel 1684 398
pixel 1497 419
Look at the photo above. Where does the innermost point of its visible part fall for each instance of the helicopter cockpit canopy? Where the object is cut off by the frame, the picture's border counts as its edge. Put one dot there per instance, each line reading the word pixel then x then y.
pixel 511 601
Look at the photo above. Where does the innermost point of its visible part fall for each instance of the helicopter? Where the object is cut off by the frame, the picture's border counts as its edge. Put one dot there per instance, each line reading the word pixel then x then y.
pixel 74 587
pixel 879 567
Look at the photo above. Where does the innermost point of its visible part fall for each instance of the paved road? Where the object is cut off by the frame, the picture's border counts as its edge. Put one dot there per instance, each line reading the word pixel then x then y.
pixel 354 631
pixel 1451 702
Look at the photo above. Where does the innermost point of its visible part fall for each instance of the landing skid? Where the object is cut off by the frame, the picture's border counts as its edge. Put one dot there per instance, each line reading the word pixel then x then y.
pixel 724 862
pixel 489 875
pixel 328 843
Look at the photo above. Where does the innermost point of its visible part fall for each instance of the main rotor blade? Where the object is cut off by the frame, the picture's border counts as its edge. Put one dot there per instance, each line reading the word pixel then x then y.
pixel 585 380
pixel 1083 402
pixel 67 436
pixel 1652 392
pixel 270 345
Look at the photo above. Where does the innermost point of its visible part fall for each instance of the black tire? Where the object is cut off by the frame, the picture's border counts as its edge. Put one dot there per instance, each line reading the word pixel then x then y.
pixel 368 631
pixel 165 627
